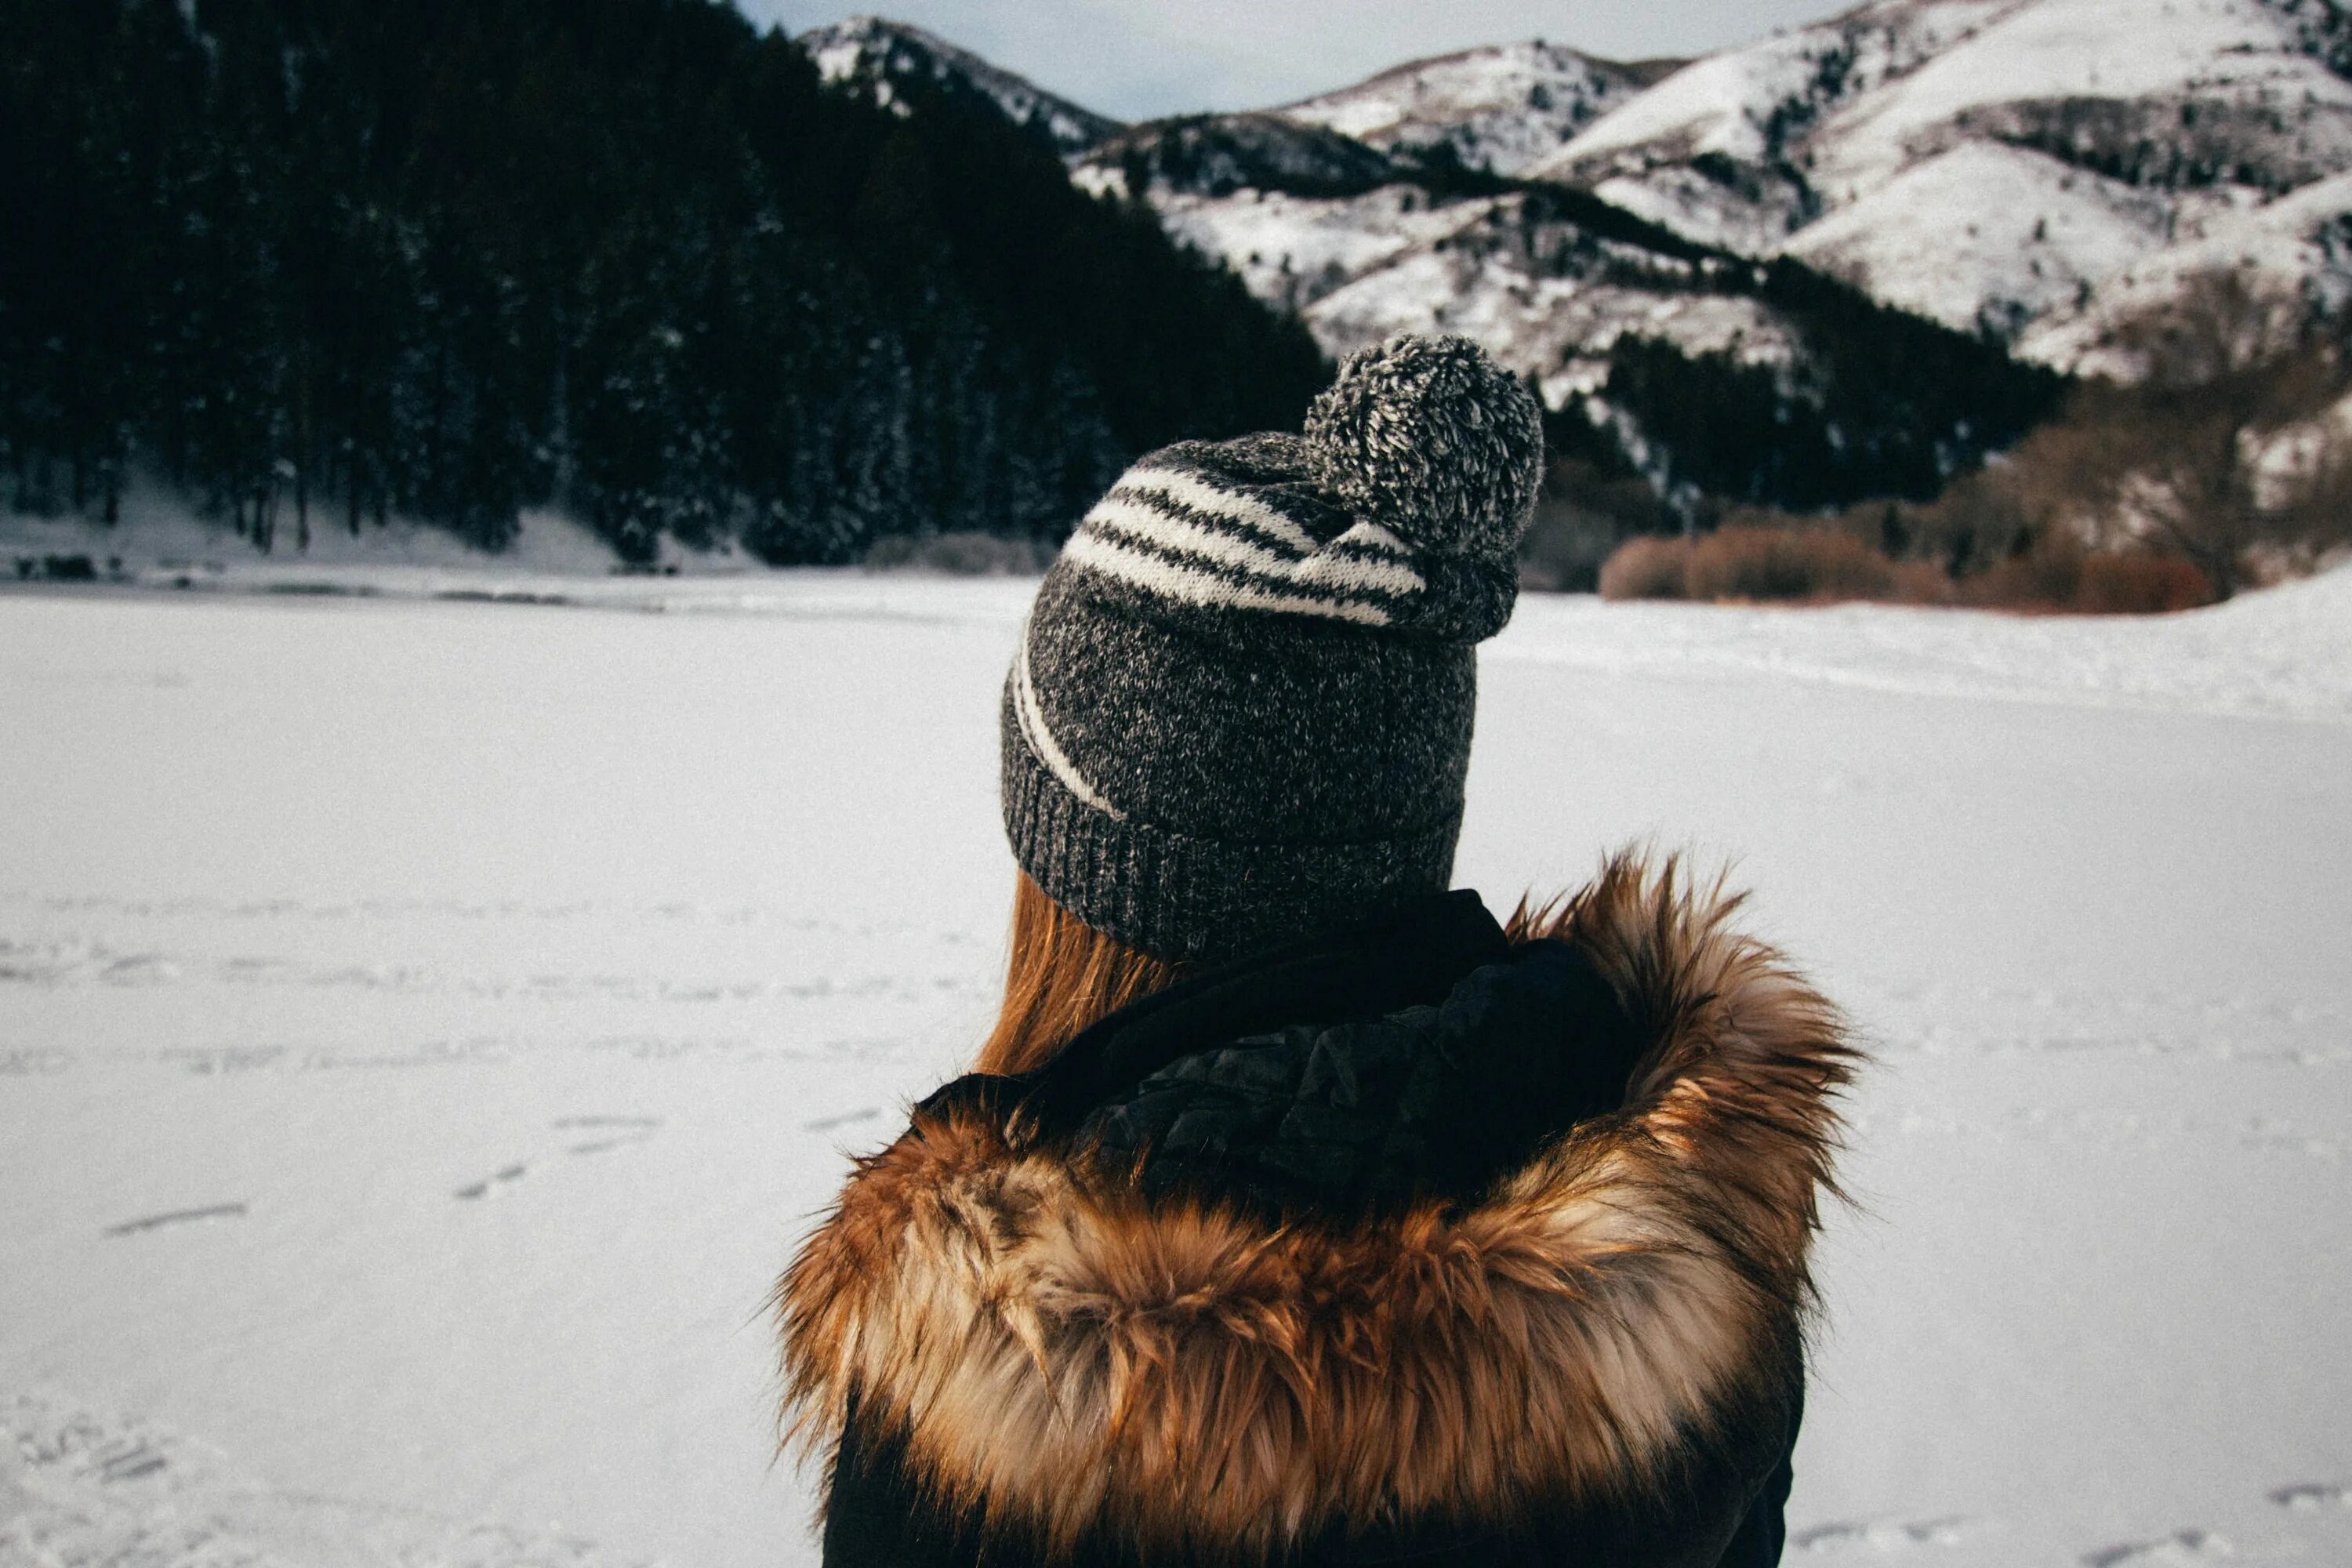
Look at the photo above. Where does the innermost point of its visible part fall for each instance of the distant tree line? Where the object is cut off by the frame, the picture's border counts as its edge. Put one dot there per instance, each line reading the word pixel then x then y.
pixel 1879 402
pixel 318 261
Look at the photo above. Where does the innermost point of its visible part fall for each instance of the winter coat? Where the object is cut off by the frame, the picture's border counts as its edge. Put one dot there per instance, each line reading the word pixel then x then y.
pixel 1413 1245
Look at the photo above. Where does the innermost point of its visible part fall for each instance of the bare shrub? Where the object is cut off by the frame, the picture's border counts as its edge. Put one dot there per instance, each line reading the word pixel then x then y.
pixel 1752 564
pixel 2059 576
pixel 2176 461
pixel 2136 583
pixel 1983 518
pixel 1765 565
pixel 2047 577
pixel 1918 582
pixel 1647 567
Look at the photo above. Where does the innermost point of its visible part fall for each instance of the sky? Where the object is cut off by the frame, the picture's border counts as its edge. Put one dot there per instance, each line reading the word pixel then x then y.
pixel 1135 59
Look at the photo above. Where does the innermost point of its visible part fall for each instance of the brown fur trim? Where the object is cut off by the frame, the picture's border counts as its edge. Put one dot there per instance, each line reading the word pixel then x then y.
pixel 1060 1359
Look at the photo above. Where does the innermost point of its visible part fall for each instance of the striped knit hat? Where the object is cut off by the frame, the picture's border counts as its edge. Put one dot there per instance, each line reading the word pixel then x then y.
pixel 1241 709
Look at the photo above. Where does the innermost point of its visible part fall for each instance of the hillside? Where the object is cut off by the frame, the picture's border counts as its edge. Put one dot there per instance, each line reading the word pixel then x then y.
pixel 1392 205
pixel 637 261
pixel 1498 109
pixel 886 57
pixel 2003 165
pixel 2036 171
pixel 335 264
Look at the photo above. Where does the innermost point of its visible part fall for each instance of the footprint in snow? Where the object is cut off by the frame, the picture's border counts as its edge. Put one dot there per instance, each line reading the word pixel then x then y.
pixel 1882 1534
pixel 81 1487
pixel 491 1183
pixel 176 1216
pixel 2310 1497
pixel 2186 1548
pixel 615 1133
pixel 828 1123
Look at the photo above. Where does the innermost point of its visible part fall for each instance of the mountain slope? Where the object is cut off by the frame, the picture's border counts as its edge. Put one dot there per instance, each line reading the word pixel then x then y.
pixel 2303 240
pixel 1620 323
pixel 1993 163
pixel 1498 109
pixel 886 55
pixel 315 265
pixel 1704 371
pixel 2016 172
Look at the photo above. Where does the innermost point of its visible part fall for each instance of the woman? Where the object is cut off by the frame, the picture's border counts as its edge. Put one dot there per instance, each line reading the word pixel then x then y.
pixel 1299 1211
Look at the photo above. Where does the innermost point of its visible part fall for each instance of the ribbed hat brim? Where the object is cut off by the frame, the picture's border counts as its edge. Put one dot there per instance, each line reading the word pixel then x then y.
pixel 1181 898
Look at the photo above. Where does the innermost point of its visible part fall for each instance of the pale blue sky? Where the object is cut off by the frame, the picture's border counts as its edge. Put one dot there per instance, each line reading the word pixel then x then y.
pixel 1135 59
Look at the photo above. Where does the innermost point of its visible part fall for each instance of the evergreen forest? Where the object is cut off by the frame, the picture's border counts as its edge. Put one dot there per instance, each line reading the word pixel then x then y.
pixel 315 262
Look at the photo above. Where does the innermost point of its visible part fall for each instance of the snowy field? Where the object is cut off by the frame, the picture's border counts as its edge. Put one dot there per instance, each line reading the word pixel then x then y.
pixel 425 1026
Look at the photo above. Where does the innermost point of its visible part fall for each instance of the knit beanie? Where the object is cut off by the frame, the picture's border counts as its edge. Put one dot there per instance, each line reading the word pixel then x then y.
pixel 1240 712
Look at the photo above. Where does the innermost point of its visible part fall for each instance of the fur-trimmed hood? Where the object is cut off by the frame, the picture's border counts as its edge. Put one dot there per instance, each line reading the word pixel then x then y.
pixel 1060 1356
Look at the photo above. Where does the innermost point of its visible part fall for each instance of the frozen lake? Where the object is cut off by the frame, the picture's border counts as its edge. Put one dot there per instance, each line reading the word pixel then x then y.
pixel 426 1025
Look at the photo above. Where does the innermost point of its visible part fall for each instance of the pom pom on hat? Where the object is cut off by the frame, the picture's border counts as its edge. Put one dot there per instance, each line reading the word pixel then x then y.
pixel 1435 441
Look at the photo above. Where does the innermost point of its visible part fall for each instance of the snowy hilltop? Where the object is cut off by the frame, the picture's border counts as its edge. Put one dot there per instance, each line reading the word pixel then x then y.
pixel 1403 204
pixel 885 55
pixel 2031 169
pixel 2017 166
pixel 1498 109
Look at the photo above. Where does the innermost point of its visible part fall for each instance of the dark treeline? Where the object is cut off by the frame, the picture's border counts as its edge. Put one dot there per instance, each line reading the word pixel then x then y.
pixel 316 262
pixel 1881 402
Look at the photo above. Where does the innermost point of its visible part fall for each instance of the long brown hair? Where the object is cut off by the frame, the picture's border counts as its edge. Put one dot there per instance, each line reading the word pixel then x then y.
pixel 1064 976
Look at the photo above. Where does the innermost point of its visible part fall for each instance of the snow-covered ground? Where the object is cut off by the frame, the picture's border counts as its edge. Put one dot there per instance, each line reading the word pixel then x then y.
pixel 425 1026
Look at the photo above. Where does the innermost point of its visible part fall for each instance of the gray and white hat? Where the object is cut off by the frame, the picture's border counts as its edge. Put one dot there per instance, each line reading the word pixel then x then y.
pixel 1241 709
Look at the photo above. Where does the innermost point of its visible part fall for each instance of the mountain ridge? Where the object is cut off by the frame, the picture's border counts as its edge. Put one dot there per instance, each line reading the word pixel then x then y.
pixel 2090 135
pixel 1497 107
pixel 1613 317
pixel 2033 171
pixel 884 54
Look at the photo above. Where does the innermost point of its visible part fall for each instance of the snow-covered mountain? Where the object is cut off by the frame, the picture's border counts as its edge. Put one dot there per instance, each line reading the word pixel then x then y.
pixel 2030 173
pixel 1498 109
pixel 1999 166
pixel 1391 206
pixel 1365 242
pixel 883 54
pixel 1296 209
pixel 1388 205
pixel 2301 240
pixel 2034 171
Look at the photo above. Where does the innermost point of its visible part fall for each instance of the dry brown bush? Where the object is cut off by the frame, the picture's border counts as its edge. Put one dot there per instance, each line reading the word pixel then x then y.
pixel 1756 562
pixel 1919 582
pixel 2138 585
pixel 2057 577
pixel 1647 566
pixel 2175 460
pixel 1750 563
pixel 2047 577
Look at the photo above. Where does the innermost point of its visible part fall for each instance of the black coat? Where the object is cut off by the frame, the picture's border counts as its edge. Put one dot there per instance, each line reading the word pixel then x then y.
pixel 1402 1246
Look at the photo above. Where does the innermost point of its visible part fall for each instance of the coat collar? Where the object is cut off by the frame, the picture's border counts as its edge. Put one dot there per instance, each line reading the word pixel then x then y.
pixel 1413 955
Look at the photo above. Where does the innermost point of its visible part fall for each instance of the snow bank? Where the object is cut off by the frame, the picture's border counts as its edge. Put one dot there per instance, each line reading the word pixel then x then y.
pixel 2281 652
